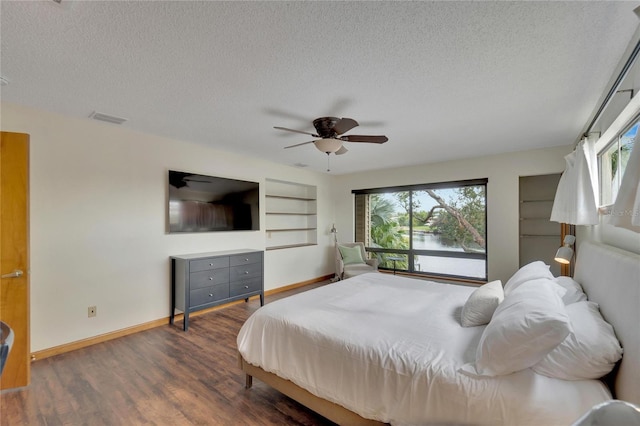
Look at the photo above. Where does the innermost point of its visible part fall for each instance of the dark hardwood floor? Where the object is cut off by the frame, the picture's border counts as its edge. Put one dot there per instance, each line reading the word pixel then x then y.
pixel 161 376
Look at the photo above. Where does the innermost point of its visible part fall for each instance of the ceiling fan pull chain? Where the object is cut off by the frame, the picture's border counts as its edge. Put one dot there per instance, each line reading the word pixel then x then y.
pixel 328 168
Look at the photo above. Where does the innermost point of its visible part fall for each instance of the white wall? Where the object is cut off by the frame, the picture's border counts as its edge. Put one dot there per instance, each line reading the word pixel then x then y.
pixel 503 172
pixel 98 232
pixel 98 236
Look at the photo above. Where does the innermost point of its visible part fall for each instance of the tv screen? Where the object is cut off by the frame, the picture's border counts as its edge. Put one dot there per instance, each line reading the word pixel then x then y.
pixel 199 203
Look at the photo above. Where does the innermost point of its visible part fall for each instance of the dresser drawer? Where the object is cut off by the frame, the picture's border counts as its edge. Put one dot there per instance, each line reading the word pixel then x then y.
pixel 202 296
pixel 245 286
pixel 209 278
pixel 243 259
pixel 209 263
pixel 241 272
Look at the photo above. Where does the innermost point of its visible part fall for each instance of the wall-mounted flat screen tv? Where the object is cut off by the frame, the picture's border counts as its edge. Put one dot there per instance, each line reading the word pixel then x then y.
pixel 199 203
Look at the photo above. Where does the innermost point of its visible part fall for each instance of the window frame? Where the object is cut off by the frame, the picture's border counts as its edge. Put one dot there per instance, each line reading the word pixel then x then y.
pixel 615 141
pixel 411 253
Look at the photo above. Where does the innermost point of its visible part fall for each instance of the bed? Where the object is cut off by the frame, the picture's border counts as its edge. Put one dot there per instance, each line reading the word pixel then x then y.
pixel 384 349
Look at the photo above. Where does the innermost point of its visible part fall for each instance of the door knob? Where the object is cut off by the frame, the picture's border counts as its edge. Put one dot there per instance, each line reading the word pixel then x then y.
pixel 15 274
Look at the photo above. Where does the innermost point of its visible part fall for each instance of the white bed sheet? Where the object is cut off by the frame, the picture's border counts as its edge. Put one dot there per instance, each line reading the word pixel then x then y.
pixel 389 348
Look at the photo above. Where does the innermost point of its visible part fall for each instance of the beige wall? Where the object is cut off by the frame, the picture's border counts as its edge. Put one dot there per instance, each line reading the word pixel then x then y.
pixel 502 171
pixel 97 200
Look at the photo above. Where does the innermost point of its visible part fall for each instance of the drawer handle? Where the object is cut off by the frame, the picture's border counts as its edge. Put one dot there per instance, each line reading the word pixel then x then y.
pixel 211 264
pixel 246 272
pixel 246 259
pixel 246 286
pixel 210 278
pixel 210 294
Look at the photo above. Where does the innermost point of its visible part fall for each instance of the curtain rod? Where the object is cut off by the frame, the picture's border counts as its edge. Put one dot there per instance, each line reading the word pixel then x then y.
pixel 616 84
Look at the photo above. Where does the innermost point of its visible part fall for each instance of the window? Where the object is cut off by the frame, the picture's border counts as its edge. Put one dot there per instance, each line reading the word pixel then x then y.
pixel 612 161
pixel 431 229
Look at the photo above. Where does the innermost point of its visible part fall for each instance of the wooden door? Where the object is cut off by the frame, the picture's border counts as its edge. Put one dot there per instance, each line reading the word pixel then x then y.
pixel 14 255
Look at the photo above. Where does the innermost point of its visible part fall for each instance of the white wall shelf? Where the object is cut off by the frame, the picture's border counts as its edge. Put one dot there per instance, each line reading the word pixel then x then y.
pixel 291 215
pixel 539 237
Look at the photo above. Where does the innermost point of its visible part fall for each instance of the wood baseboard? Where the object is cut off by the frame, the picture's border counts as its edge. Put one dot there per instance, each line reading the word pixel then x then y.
pixel 296 285
pixel 79 344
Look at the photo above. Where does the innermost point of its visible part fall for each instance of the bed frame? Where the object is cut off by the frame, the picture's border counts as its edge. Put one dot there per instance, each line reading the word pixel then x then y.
pixel 609 276
pixel 334 412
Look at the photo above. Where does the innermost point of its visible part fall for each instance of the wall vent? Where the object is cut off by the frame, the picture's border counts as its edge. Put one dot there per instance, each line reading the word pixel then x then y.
pixel 108 118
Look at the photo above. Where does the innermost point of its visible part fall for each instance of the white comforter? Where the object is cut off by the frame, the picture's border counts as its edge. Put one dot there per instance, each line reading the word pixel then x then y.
pixel 389 348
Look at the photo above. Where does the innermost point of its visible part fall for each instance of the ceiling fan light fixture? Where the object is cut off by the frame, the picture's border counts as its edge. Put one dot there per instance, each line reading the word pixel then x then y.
pixel 328 145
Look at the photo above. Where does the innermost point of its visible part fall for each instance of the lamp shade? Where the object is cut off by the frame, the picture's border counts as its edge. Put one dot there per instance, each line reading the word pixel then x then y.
pixel 328 145
pixel 564 255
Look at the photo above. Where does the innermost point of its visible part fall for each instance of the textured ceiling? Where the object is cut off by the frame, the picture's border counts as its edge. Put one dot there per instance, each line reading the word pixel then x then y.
pixel 442 80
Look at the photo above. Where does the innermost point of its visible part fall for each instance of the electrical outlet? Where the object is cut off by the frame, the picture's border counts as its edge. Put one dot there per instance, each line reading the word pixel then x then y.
pixel 92 311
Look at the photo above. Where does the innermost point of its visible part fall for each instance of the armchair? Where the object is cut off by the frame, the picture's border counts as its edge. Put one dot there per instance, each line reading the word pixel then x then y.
pixel 349 264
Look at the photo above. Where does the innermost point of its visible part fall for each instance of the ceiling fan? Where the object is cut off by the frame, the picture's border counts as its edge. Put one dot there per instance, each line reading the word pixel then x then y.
pixel 329 131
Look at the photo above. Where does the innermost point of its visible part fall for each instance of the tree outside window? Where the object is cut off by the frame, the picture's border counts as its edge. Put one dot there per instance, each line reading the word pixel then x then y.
pixel 613 162
pixel 434 229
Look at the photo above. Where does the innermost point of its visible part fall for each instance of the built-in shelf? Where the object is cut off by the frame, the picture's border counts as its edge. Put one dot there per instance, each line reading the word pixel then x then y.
pixel 539 236
pixel 290 229
pixel 290 246
pixel 287 197
pixel 291 215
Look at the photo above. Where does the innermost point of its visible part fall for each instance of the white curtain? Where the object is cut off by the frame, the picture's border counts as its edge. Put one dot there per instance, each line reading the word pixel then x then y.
pixel 625 213
pixel 575 201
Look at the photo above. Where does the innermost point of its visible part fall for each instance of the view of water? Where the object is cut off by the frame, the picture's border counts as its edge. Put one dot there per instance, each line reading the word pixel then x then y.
pixel 424 241
pixel 444 265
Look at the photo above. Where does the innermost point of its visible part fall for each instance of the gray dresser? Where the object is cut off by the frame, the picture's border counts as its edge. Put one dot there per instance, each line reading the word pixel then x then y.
pixel 203 280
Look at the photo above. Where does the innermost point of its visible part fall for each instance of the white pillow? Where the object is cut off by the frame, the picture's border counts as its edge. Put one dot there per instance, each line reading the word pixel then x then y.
pixel 481 304
pixel 574 290
pixel 589 352
pixel 531 271
pixel 528 324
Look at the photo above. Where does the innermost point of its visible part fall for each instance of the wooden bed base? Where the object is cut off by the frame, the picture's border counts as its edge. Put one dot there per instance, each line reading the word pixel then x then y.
pixel 331 411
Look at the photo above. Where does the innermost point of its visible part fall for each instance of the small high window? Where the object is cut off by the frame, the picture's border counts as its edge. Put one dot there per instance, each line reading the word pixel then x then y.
pixel 612 161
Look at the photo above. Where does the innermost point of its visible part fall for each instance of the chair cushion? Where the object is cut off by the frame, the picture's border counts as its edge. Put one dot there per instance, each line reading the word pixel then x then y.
pixel 357 269
pixel 351 255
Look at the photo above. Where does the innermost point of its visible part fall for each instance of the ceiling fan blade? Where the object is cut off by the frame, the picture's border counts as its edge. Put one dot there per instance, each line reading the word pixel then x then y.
pixel 296 131
pixel 344 125
pixel 342 150
pixel 298 144
pixel 363 138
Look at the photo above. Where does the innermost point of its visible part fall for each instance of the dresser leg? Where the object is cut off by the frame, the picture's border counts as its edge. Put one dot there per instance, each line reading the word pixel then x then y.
pixel 248 382
pixel 261 299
